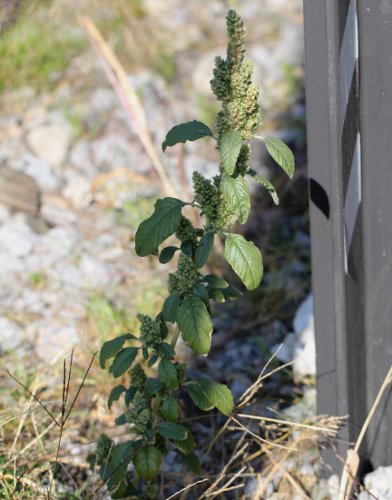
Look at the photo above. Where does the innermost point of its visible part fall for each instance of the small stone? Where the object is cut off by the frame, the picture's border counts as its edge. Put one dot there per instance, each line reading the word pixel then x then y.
pixel 11 334
pixel 50 142
pixel 95 274
pixel 52 341
pixel 38 169
pixel 304 315
pixel 4 213
pixel 77 191
pixel 378 484
pixel 17 238
pixel 80 157
pixel 55 210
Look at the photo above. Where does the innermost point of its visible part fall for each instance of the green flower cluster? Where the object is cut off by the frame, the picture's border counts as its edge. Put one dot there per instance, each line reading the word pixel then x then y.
pixel 232 84
pixel 150 335
pixel 242 161
pixel 186 276
pixel 150 491
pixel 139 415
pixel 181 373
pixel 218 212
pixel 138 377
pixel 185 230
pixel 104 448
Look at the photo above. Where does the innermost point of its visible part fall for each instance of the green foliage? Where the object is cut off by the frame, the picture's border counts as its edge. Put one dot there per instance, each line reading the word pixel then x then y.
pixel 159 226
pixel 281 154
pixel 266 183
pixel 245 258
pixel 152 405
pixel 190 131
pixel 147 462
pixel 236 192
pixel 111 347
pixel 230 147
pixel 195 324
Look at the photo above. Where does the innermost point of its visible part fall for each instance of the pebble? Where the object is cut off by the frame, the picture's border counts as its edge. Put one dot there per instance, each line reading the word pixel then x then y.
pixel 50 142
pixel 16 237
pixel 11 334
pixel 300 346
pixel 77 190
pixel 378 484
pixel 38 169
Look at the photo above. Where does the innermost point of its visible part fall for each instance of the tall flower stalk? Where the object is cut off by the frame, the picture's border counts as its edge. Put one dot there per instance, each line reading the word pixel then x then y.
pixel 152 406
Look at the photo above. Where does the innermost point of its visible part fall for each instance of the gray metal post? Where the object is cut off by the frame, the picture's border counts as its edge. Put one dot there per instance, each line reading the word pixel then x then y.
pixel 349 119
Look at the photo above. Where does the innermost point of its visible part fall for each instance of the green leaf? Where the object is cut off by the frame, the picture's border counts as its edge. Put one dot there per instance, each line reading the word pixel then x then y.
pixel 167 254
pixel 215 281
pixel 236 192
pixel 229 147
pixel 129 395
pixel 152 360
pixel 201 291
pixel 153 386
pixel 192 462
pixel 123 361
pixel 187 445
pixel 147 462
pixel 198 396
pixel 166 350
pixel 281 153
pixel 195 324
pixel 170 307
pixel 187 248
pixel 170 410
pixel 231 292
pixel 217 295
pixel 125 490
pixel 190 131
pixel 111 347
pixel 171 430
pixel 122 419
pixel 159 226
pixel 115 394
pixel 204 248
pixel 116 470
pixel 245 258
pixel 218 394
pixel 167 374
pixel 266 183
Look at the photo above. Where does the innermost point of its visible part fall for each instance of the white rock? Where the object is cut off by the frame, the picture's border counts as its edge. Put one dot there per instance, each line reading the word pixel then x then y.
pixel 9 264
pixel 52 246
pixel 17 238
pixel 111 151
pixel 78 191
pixel 300 346
pixel 81 158
pixel 378 484
pixel 38 169
pixel 304 315
pixel 10 333
pixel 52 340
pixel 56 211
pixel 4 213
pixel 103 100
pixel 95 274
pixel 305 354
pixel 50 142
pixel 66 274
